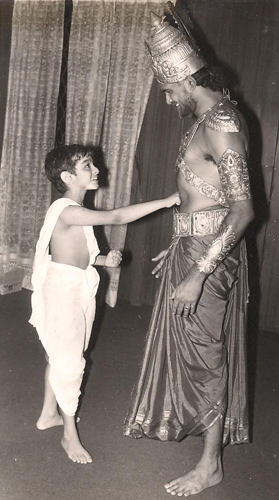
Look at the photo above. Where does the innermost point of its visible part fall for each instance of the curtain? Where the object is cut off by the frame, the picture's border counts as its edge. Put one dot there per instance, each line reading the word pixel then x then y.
pixel 6 14
pixel 153 177
pixel 34 73
pixel 109 80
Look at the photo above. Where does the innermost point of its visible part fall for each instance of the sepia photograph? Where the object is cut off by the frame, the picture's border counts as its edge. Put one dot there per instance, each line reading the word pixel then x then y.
pixel 139 249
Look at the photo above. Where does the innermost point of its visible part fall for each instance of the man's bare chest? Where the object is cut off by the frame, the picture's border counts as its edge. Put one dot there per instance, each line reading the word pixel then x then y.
pixel 196 160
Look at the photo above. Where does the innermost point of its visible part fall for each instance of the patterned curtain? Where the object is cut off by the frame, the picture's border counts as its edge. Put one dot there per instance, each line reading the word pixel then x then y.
pixel 109 80
pixel 25 193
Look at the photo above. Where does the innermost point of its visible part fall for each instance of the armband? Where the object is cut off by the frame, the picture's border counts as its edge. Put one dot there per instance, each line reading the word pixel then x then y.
pixel 234 176
pixel 218 250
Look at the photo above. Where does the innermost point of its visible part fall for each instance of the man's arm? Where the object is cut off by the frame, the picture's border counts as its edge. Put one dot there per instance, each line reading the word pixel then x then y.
pixel 229 153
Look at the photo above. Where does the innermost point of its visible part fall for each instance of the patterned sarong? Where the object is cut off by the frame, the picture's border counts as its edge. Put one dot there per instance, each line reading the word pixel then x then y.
pixel 194 369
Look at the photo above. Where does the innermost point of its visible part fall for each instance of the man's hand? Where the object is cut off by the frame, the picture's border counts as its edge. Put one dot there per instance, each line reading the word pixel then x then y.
pixel 113 258
pixel 157 270
pixel 187 293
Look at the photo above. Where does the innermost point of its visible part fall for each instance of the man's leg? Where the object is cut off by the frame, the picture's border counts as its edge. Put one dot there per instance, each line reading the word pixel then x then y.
pixel 49 415
pixel 208 471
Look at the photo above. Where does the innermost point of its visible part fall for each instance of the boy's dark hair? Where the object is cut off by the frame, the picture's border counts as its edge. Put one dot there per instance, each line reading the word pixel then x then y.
pixel 64 159
pixel 212 78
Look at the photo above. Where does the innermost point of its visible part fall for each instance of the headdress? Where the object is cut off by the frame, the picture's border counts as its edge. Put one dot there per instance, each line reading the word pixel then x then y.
pixel 173 52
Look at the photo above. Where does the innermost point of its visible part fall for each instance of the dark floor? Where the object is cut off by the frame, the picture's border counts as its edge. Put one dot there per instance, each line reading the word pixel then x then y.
pixel 34 466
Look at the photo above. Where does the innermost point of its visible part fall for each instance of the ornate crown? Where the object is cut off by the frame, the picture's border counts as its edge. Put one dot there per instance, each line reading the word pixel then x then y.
pixel 174 54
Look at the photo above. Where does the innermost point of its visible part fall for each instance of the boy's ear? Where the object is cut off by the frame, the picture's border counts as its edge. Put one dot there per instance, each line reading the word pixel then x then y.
pixel 66 177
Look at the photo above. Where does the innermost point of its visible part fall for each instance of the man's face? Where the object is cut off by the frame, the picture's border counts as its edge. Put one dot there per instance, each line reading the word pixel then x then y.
pixel 178 95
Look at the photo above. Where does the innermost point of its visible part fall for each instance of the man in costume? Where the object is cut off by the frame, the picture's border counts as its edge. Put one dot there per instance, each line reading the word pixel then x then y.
pixel 193 374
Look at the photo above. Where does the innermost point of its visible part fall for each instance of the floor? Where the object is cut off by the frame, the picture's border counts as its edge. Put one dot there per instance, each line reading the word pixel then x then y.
pixel 33 466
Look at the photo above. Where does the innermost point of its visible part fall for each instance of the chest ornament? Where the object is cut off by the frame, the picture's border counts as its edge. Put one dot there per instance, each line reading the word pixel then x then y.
pixel 200 185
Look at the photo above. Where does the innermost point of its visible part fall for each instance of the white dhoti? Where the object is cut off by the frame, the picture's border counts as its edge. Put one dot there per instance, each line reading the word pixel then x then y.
pixel 63 310
pixel 69 302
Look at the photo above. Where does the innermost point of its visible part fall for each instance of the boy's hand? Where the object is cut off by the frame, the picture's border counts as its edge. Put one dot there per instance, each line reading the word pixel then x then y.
pixel 174 199
pixel 157 270
pixel 113 258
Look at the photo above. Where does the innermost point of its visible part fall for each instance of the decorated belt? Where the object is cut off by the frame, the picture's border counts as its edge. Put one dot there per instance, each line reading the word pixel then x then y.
pixel 198 223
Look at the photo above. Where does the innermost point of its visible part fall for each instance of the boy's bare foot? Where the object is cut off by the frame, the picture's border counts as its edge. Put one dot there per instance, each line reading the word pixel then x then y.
pixel 75 450
pixel 46 421
pixel 197 480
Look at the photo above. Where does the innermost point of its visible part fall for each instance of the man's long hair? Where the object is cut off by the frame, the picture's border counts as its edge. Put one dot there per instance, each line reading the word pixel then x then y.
pixel 212 78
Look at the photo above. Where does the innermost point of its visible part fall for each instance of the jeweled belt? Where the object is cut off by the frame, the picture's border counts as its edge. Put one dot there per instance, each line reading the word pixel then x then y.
pixel 198 223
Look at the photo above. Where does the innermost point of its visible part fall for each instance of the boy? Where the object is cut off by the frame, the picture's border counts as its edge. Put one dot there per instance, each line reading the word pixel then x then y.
pixel 65 284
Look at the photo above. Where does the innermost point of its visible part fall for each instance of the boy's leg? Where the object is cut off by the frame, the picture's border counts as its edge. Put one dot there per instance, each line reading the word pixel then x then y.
pixel 68 329
pixel 49 415
pixel 71 442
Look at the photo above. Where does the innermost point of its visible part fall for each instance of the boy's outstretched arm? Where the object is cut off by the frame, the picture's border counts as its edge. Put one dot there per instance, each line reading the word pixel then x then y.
pixel 80 216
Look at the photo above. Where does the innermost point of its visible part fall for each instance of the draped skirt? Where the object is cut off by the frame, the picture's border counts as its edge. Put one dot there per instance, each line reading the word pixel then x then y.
pixel 69 303
pixel 193 370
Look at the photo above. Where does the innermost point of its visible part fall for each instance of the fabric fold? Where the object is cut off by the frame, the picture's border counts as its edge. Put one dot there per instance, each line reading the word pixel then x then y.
pixel 63 310
pixel 42 259
pixel 182 386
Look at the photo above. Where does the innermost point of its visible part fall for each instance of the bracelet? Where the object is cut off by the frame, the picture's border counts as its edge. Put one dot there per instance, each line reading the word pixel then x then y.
pixel 218 250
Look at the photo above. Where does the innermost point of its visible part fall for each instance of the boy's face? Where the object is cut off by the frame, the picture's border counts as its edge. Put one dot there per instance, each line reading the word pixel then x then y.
pixel 86 174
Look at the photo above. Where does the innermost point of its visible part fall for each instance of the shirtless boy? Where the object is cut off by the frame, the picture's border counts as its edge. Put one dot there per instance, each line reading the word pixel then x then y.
pixel 65 283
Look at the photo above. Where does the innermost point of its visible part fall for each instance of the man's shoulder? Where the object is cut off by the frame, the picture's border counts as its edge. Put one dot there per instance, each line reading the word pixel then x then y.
pixel 223 118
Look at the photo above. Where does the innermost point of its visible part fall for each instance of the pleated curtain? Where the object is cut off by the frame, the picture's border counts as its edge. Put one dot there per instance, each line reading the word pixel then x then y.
pixel 109 80
pixel 30 122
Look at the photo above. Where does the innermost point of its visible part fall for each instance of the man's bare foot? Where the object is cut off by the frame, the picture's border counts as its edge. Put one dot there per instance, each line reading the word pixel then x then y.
pixel 195 481
pixel 75 450
pixel 46 421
